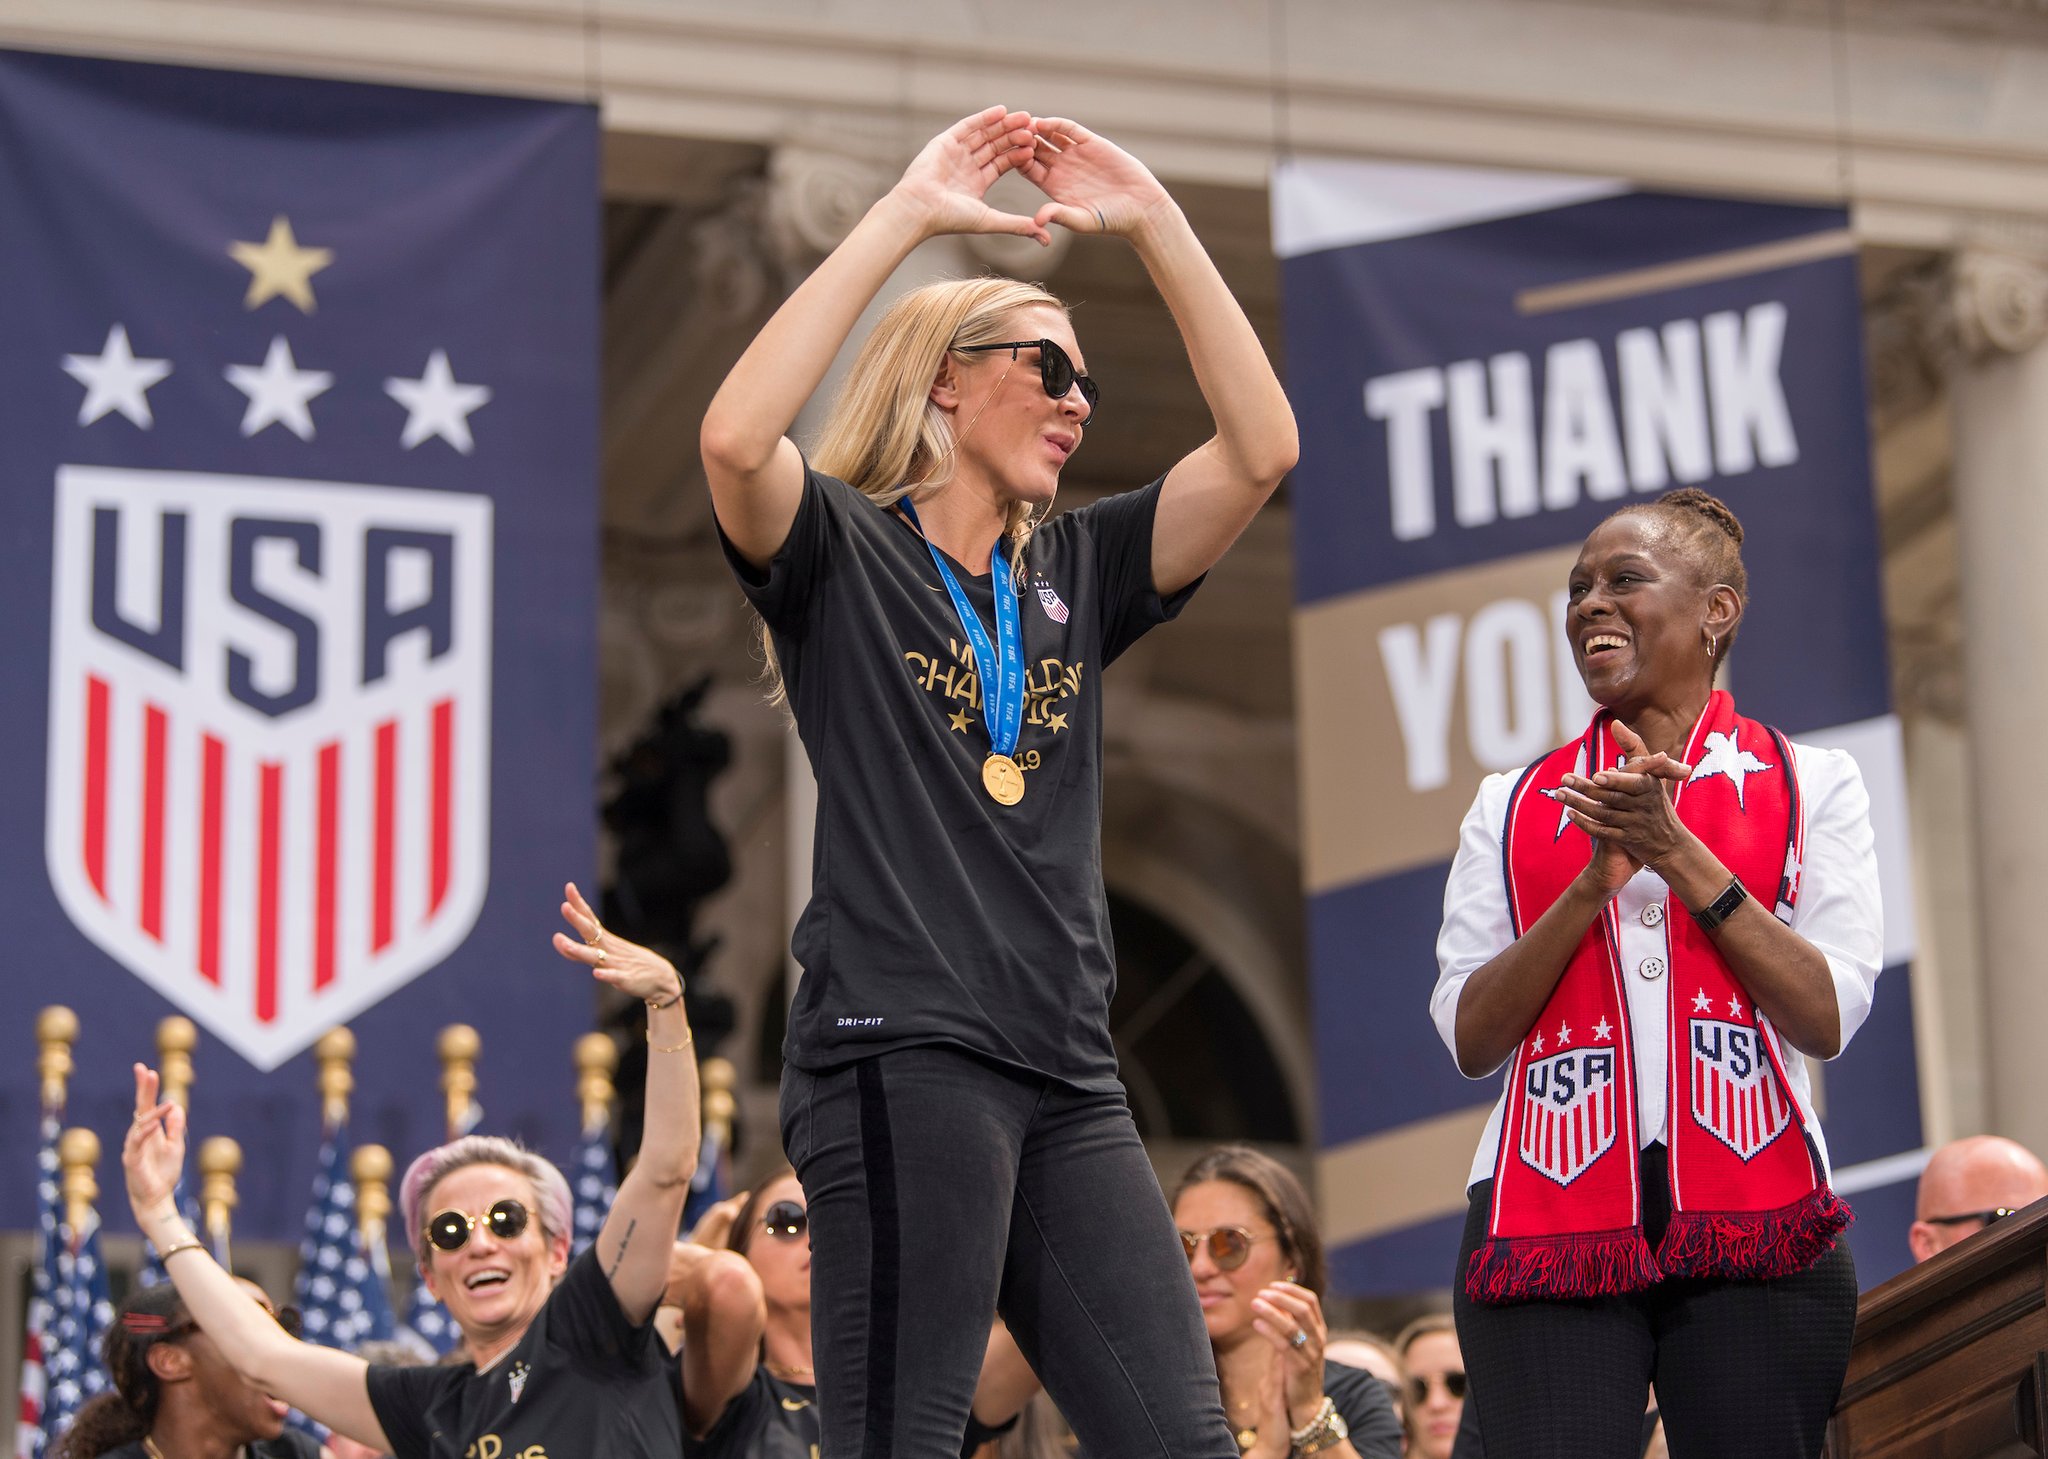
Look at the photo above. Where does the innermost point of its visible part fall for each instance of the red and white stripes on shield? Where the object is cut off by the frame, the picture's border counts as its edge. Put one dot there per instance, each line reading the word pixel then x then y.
pixel 252 861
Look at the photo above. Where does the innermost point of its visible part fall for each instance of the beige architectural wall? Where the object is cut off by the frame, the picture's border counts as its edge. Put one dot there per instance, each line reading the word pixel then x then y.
pixel 741 138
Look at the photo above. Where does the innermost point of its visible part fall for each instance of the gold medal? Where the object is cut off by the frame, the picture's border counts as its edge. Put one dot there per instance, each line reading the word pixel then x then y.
pixel 1002 779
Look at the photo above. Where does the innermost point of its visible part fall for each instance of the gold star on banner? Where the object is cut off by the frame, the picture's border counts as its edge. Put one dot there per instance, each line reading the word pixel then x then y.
pixel 1057 721
pixel 960 720
pixel 278 266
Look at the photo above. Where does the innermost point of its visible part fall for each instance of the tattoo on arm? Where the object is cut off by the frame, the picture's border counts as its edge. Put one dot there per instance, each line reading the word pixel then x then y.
pixel 625 1240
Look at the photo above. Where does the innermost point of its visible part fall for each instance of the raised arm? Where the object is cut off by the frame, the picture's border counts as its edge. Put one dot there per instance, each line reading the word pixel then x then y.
pixel 329 1385
pixel 640 1228
pixel 754 470
pixel 724 1315
pixel 1215 491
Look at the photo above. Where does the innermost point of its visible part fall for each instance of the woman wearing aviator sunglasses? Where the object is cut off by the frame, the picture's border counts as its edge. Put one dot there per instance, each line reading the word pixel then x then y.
pixel 563 1358
pixel 940 641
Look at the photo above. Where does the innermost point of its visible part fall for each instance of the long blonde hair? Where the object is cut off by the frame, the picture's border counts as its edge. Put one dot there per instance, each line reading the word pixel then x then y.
pixel 884 436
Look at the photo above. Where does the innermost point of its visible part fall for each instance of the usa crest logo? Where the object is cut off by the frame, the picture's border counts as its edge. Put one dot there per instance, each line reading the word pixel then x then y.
pixel 268 778
pixel 1734 1095
pixel 1569 1116
pixel 1049 599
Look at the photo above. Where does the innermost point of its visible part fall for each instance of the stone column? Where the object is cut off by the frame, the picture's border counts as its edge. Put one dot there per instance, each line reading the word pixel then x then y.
pixel 1999 394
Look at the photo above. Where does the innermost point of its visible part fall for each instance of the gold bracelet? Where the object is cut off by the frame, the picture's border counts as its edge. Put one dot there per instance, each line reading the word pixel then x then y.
pixel 189 1244
pixel 688 1039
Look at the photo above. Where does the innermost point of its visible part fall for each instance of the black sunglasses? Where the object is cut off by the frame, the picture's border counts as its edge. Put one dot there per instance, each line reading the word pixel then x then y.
pixel 1418 1387
pixel 1986 1217
pixel 450 1230
pixel 786 1221
pixel 1055 371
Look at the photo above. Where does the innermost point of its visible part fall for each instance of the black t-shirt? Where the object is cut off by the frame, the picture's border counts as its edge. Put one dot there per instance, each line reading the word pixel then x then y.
pixel 1368 1410
pixel 938 915
pixel 291 1444
pixel 581 1381
pixel 767 1419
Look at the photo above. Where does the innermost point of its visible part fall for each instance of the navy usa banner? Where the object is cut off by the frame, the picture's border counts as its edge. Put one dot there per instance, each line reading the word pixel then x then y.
pixel 298 475
pixel 1485 365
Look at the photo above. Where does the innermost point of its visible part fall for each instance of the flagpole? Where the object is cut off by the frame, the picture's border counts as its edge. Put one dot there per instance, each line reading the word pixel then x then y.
pixel 335 1052
pixel 597 1060
pixel 220 1159
pixel 176 1039
pixel 56 1032
pixel 459 1046
pixel 78 1153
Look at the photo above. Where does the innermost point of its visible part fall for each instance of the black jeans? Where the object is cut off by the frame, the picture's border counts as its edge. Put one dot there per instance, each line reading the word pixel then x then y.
pixel 943 1188
pixel 1742 1368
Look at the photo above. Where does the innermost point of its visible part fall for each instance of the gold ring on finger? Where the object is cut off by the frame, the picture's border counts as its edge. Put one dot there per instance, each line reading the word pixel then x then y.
pixel 600 956
pixel 596 932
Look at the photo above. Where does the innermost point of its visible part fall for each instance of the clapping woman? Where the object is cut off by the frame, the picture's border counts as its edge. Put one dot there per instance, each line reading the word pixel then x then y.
pixel 1649 928
pixel 564 1360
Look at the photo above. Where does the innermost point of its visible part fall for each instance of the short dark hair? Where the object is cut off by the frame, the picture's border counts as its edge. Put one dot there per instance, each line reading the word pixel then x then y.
pixel 1278 1193
pixel 1712 537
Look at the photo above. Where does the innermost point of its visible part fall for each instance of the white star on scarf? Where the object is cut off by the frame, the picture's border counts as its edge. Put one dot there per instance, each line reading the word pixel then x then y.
pixel 1564 1033
pixel 1537 1047
pixel 1701 1003
pixel 1734 1007
pixel 1602 1029
pixel 1724 758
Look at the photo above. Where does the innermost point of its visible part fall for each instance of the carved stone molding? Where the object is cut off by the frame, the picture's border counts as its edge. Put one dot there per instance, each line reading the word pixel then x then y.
pixel 2000 302
pixel 815 197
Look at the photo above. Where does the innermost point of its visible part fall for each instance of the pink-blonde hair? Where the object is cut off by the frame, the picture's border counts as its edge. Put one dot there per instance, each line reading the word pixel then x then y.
pixel 550 1189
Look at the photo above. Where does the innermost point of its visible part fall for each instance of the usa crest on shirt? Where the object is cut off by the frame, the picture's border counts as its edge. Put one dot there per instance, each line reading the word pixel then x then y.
pixel 298 428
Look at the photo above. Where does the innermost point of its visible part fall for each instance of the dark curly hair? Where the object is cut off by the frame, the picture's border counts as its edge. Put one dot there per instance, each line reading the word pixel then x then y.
pixel 148 1316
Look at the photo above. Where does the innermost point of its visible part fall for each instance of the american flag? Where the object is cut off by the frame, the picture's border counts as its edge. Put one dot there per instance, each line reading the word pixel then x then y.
pixel 590 1179
pixel 342 1295
pixel 28 1433
pixel 430 1322
pixel 152 1270
pixel 712 1181
pixel 81 1312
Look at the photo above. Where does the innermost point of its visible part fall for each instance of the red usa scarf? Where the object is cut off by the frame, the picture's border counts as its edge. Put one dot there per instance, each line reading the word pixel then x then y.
pixel 1748 1195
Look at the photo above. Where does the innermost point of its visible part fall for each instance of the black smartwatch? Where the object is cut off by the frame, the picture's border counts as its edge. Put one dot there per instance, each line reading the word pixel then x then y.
pixel 1722 907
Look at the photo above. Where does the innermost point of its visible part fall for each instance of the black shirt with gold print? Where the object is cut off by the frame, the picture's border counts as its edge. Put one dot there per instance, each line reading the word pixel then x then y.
pixel 768 1419
pixel 938 915
pixel 582 1383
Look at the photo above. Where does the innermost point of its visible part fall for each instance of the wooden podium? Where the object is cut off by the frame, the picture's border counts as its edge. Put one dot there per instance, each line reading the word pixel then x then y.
pixel 1951 1357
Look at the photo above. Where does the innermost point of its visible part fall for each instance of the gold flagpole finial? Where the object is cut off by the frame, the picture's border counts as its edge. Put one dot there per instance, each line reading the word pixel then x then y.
pixel 176 1038
pixel 370 1169
pixel 335 1052
pixel 459 1046
pixel 717 1077
pixel 78 1153
pixel 597 1059
pixel 56 1032
pixel 220 1160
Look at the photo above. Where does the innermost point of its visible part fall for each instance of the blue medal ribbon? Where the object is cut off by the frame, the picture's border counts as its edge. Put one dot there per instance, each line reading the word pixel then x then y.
pixel 1002 693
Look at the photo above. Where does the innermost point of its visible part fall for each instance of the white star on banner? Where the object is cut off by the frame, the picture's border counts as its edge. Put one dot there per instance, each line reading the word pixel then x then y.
pixel 279 392
pixel 115 380
pixel 436 405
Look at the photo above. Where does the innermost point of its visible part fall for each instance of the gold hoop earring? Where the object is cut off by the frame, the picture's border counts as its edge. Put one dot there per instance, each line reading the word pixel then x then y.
pixel 1713 643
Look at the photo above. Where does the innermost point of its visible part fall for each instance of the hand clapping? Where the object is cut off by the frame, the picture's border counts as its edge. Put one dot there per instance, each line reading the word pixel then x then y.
pixel 1627 811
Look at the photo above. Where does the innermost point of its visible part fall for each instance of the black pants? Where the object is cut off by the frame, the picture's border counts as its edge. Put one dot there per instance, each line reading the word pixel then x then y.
pixel 943 1188
pixel 1741 1368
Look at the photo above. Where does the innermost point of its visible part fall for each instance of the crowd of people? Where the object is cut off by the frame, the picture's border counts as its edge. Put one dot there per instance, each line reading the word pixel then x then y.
pixel 969 1253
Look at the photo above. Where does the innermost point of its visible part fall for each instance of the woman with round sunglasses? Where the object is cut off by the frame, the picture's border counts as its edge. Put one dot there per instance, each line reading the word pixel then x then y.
pixel 1249 1235
pixel 743 1282
pixel 1435 1393
pixel 563 1359
pixel 176 1395
pixel 950 1098
pixel 1647 929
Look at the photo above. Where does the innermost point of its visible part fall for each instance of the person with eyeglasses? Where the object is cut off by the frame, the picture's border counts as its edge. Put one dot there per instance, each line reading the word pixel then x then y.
pixel 1647 932
pixel 1968 1185
pixel 950 1098
pixel 1435 1390
pixel 175 1394
pixel 1247 1230
pixel 743 1282
pixel 563 1359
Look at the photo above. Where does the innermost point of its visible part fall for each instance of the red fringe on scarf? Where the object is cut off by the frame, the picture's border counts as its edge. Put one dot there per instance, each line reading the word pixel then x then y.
pixel 1754 1244
pixel 1586 1264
